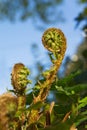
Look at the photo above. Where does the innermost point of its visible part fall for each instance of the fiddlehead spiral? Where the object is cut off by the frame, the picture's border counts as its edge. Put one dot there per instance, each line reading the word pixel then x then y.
pixel 19 78
pixel 54 40
pixel 19 81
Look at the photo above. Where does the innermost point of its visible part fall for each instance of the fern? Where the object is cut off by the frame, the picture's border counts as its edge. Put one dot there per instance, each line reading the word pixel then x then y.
pixel 31 109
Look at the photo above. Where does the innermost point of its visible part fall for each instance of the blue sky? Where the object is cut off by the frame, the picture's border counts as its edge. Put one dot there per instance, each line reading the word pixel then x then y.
pixel 16 40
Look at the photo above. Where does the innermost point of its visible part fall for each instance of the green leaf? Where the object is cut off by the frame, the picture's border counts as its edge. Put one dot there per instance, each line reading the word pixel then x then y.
pixel 60 126
pixel 36 106
pixel 29 98
pixel 77 88
pixel 82 103
pixel 80 120
pixel 61 90
pixel 68 81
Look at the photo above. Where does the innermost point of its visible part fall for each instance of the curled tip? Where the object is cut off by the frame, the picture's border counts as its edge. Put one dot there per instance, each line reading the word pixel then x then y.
pixel 54 40
pixel 19 77
pixel 14 76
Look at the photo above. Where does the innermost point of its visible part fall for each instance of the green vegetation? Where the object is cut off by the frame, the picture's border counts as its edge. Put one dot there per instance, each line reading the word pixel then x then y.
pixel 52 103
pixel 33 109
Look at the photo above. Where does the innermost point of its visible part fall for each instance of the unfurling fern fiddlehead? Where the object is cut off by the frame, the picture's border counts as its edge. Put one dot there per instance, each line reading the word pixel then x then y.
pixel 54 40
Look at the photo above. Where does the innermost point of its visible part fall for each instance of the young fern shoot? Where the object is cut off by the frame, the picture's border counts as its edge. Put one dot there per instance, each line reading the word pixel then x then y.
pixel 53 40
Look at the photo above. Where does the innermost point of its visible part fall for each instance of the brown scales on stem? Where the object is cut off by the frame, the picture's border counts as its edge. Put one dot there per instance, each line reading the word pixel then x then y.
pixel 54 40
